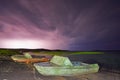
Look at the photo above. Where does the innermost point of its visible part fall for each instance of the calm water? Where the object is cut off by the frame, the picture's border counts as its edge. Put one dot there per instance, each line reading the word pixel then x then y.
pixel 110 60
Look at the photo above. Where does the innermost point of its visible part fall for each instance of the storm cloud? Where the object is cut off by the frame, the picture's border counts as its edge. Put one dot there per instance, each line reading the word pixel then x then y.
pixel 61 24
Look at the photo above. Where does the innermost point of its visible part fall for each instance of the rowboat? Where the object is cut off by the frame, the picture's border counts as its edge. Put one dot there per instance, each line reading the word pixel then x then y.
pixel 27 58
pixel 53 69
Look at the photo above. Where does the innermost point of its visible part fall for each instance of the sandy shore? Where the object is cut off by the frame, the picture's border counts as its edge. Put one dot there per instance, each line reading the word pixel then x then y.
pixel 10 70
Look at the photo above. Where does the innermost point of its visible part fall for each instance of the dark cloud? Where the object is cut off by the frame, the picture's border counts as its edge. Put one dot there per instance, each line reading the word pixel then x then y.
pixel 74 24
pixel 1 27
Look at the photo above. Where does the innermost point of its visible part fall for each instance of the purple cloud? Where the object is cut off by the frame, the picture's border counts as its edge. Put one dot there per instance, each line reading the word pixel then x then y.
pixel 56 23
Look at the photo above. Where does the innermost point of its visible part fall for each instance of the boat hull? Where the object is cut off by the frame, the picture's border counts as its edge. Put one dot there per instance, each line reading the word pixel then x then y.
pixel 22 58
pixel 47 69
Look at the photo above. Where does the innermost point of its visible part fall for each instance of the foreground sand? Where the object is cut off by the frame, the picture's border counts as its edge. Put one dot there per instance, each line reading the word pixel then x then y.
pixel 10 70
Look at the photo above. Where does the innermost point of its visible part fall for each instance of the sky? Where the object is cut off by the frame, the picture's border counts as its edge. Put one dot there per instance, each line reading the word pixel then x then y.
pixel 60 24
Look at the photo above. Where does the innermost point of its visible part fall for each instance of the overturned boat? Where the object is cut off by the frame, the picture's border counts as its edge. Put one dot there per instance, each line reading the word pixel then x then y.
pixel 62 66
pixel 27 58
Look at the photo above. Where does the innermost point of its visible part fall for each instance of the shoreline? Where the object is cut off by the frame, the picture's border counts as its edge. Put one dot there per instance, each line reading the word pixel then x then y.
pixel 10 70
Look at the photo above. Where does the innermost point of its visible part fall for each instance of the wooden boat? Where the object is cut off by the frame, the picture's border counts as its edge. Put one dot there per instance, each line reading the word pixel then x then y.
pixel 28 58
pixel 77 68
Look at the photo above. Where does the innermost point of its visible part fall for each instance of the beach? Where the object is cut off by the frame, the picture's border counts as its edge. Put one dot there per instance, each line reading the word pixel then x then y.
pixel 10 70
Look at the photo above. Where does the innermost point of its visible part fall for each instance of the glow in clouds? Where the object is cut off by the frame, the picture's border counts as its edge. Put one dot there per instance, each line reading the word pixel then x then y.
pixel 31 44
pixel 60 24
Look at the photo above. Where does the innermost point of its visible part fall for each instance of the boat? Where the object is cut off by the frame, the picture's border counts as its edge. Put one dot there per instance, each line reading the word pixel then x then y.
pixel 27 58
pixel 53 69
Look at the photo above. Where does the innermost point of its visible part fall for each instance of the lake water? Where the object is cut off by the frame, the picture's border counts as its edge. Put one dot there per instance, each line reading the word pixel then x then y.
pixel 110 60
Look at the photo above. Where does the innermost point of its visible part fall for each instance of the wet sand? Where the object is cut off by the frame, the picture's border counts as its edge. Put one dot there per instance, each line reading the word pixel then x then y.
pixel 10 70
